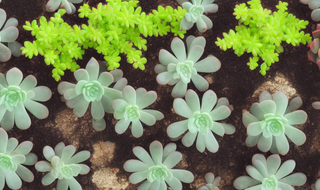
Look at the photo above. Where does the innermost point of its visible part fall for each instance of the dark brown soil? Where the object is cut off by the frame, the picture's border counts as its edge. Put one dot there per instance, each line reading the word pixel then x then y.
pixel 293 74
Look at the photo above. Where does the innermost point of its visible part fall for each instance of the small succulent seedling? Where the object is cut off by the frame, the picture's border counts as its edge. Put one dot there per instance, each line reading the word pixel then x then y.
pixel 195 14
pixel 314 52
pixel 53 5
pixel 63 165
pixel 13 157
pixel 17 95
pixel 202 121
pixel 211 181
pixel 271 120
pixel 93 88
pixel 182 67
pixel 261 33
pixel 266 174
pixel 131 109
pixel 8 34
pixel 157 170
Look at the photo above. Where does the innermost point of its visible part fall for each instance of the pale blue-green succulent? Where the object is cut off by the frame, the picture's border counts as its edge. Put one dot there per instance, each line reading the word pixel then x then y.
pixel 63 165
pixel 212 182
pixel 271 120
pixel 316 186
pixel 13 157
pixel 131 109
pixel 182 67
pixel 314 5
pixel 53 5
pixel 157 170
pixel 16 95
pixel 202 120
pixel 267 174
pixel 93 88
pixel 8 34
pixel 195 14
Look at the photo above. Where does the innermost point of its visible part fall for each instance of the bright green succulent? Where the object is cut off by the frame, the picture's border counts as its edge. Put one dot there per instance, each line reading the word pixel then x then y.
pixel 261 33
pixel 118 27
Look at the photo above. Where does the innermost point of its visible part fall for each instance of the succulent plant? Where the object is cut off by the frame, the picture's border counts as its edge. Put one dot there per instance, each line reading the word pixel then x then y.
pixel 93 88
pixel 16 95
pixel 314 5
pixel 313 53
pixel 156 169
pixel 130 109
pixel 316 186
pixel 12 159
pixel 195 11
pixel 271 120
pixel 179 69
pixel 8 34
pixel 211 181
pixel 63 165
pixel 201 120
pixel 53 5
pixel 268 174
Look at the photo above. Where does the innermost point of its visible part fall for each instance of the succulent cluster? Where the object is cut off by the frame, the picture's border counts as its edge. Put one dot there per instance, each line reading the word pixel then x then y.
pixel 8 34
pixel 195 14
pixel 272 120
pixel 261 33
pixel 182 67
pixel 113 28
pixel 212 182
pixel 314 52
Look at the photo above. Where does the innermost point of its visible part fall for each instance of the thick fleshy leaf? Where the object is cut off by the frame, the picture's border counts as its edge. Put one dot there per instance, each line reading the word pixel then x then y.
pixel 252 140
pixel 282 144
pixel 122 125
pixel 48 179
pixel 146 100
pixel 281 101
pixel 192 100
pixel 294 104
pixel 261 167
pixel 12 144
pixel 285 169
pixel 129 95
pixel 248 118
pixel 195 53
pixel 93 69
pixel 210 8
pixel 14 76
pixel 42 93
pixel 119 105
pixel 38 110
pixel 81 74
pixel 211 142
pixel 81 108
pixel 174 183
pixel 59 148
pixel 257 111
pixel 200 82
pixel 53 5
pixel 254 129
pixel 9 34
pixel 147 118
pixel 31 159
pixel 165 57
pixel 48 152
pixel 164 78
pixel 5 53
pixel 79 157
pixel 21 117
pixel 3 140
pixel 314 4
pixel 218 129
pixel 134 166
pixel 3 17
pixel 188 139
pixel 273 164
pixel 23 148
pixel 201 25
pixel 64 86
pixel 99 124
pixel 268 106
pixel 43 166
pixel 137 129
pixel 138 176
pixel 179 90
pixel 254 173
pixel 228 128
pixel 183 175
pixel 7 121
pixel 220 113
pixel 284 186
pixel 208 21
pixel 295 135
pixel 296 179
pixel 200 143
pixel 62 184
pixel 243 182
pixel 157 114
pixel 176 129
pixel 143 155
pixel 67 153
pixel 28 83
pixel 105 79
pixel 84 169
pixel 315 15
pixel 178 48
pixel 264 144
pixel 156 152
pixel 209 64
pixel 209 99
pixel 74 184
pixel 97 110
pixel 13 180
pixel 24 173
pixel 182 108
pixel 296 118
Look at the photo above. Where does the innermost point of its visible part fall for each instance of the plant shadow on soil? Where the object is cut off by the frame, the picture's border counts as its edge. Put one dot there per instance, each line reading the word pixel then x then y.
pixel 293 74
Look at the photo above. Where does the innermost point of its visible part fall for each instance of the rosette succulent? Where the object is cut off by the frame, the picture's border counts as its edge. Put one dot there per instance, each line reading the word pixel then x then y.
pixel 156 170
pixel 212 182
pixel 16 95
pixel 202 120
pixel 271 120
pixel 314 52
pixel 131 109
pixel 53 5
pixel 195 14
pixel 93 88
pixel 8 34
pixel 267 174
pixel 63 165
pixel 13 157
pixel 180 68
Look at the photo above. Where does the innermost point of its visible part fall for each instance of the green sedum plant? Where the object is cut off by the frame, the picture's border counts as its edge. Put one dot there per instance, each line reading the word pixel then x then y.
pixel 131 109
pixel 202 120
pixel 266 174
pixel 261 33
pixel 182 67
pixel 211 181
pixel 63 165
pixel 17 95
pixel 156 169
pixel 118 27
pixel 272 120
pixel 92 87
pixel 13 157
